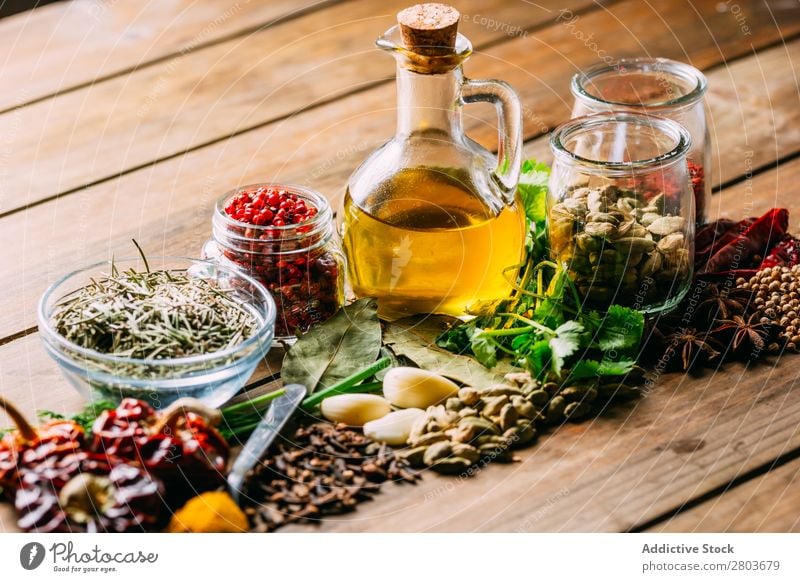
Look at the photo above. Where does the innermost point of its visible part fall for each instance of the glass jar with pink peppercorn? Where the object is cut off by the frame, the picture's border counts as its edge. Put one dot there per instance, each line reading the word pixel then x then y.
pixel 284 237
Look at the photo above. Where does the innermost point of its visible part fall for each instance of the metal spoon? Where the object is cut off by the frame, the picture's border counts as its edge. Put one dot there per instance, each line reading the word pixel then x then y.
pixel 279 412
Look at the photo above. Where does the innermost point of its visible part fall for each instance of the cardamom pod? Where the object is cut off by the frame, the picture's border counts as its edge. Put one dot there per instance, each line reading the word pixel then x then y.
pixel 523 407
pixel 540 397
pixel 451 465
pixel 499 390
pixel 437 451
pixel 454 404
pixel 555 409
pixel 468 396
pixel 466 451
pixel 577 410
pixel 496 452
pixel 428 439
pixel 467 411
pixel 579 393
pixel 508 417
pixel 551 388
pixel 492 405
pixel 414 456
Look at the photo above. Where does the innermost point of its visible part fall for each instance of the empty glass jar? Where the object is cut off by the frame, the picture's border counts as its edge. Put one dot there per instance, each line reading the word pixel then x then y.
pixel 657 87
pixel 621 209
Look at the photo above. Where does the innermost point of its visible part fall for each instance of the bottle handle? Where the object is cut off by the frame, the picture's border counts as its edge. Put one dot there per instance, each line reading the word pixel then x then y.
pixel 509 122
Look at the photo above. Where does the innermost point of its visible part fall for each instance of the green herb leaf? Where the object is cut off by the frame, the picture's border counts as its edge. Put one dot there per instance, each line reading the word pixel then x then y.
pixel 332 351
pixel 593 368
pixel 567 342
pixel 620 329
pixel 484 348
pixel 538 359
pixel 532 191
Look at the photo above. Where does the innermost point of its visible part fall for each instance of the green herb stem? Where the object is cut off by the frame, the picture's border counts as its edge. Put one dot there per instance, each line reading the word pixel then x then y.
pixel 253 404
pixel 347 384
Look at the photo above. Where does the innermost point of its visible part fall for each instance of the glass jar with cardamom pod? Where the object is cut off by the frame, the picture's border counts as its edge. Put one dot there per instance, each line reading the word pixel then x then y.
pixel 624 237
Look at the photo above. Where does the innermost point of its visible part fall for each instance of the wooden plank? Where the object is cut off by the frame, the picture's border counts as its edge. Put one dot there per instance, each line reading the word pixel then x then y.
pixel 768 503
pixel 57 47
pixel 167 207
pixel 188 100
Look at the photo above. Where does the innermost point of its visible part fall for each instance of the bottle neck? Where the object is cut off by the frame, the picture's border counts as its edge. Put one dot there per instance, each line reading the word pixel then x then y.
pixel 428 103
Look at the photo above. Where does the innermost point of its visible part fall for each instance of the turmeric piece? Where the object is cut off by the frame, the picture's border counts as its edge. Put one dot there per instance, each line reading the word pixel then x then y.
pixel 210 512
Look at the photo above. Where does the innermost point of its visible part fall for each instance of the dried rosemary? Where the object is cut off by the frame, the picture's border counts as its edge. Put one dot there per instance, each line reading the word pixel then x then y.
pixel 152 315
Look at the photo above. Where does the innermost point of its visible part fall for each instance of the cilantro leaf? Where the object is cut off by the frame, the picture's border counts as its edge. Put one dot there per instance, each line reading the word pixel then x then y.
pixel 484 348
pixel 456 339
pixel 620 329
pixel 538 358
pixel 593 368
pixel 565 343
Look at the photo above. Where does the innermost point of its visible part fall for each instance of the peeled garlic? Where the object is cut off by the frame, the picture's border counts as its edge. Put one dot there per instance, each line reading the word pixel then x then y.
pixel 394 428
pixel 416 388
pixel 354 409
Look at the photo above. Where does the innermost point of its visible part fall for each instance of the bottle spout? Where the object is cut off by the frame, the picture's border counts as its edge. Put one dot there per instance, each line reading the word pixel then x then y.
pixel 391 41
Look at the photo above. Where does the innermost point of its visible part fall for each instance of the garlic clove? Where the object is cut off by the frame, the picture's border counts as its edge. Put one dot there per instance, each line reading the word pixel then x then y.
pixel 394 428
pixel 416 388
pixel 354 409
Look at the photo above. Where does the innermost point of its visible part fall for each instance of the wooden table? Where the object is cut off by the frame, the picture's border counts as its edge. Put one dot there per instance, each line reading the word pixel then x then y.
pixel 127 119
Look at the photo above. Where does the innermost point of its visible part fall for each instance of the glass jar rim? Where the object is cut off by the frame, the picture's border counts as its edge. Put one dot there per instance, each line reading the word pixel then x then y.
pixel 675 69
pixel 317 223
pixel 680 135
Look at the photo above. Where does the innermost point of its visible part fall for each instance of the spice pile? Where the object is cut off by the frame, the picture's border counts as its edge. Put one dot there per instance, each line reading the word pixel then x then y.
pixel 484 424
pixel 133 470
pixel 279 238
pixel 617 242
pixel 743 304
pixel 324 470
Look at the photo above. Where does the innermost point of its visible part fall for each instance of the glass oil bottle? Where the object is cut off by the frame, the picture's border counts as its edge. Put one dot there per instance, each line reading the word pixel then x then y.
pixel 430 223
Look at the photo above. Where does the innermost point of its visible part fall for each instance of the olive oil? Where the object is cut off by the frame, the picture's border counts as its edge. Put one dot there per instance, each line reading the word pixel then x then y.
pixel 431 244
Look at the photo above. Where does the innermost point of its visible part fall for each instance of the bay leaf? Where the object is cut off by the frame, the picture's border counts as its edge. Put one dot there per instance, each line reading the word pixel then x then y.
pixel 415 338
pixel 346 343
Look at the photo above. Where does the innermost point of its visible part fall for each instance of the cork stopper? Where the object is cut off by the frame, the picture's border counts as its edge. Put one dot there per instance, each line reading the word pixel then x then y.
pixel 429 29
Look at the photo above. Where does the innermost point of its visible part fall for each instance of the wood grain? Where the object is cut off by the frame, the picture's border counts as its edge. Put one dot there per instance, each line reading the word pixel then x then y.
pixel 57 47
pixel 167 207
pixel 766 504
pixel 192 99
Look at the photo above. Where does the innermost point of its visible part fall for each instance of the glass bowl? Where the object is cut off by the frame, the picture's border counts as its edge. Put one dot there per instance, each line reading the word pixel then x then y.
pixel 213 378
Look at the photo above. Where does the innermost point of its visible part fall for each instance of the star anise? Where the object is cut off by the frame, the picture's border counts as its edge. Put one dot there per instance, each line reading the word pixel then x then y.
pixel 749 334
pixel 722 303
pixel 696 348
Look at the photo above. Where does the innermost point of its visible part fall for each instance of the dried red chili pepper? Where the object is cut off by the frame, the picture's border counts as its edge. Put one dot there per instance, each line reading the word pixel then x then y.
pixel 26 447
pixel 748 248
pixel 712 237
pixel 784 254
pixel 698 180
pixel 179 446
pixel 90 492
